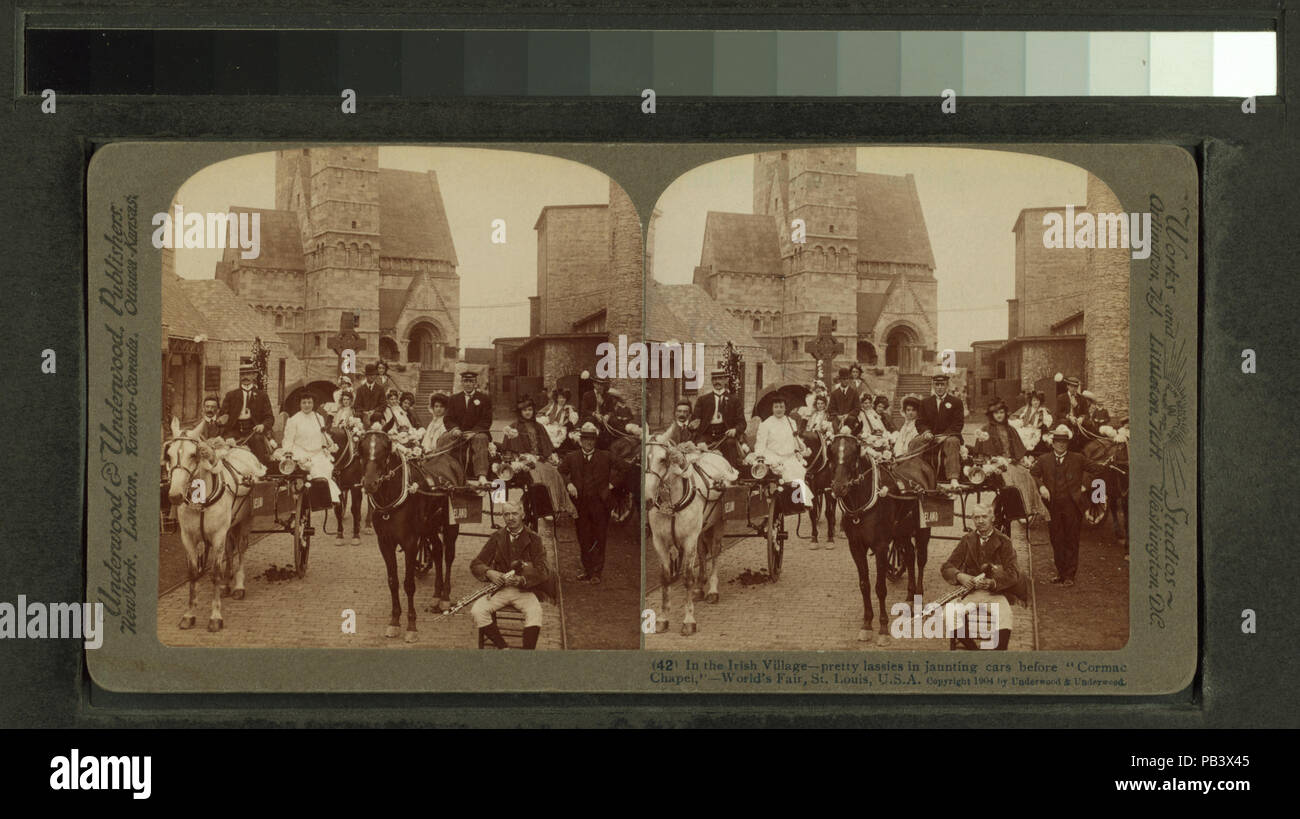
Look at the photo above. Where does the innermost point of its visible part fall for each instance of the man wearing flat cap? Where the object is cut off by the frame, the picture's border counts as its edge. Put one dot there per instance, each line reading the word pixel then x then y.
pixel 942 416
pixel 844 404
pixel 718 418
pixel 1063 478
pixel 595 405
pixel 470 411
pixel 589 475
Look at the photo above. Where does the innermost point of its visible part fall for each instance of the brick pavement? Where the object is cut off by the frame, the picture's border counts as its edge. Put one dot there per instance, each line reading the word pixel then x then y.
pixel 815 605
pixel 306 613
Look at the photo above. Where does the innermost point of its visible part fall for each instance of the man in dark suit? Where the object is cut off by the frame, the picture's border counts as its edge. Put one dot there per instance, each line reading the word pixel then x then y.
pixel 1062 477
pixel 1074 409
pixel 595 405
pixel 370 397
pixel 942 415
pixel 678 432
pixel 844 404
pixel 246 413
pixel 719 416
pixel 470 411
pixel 589 474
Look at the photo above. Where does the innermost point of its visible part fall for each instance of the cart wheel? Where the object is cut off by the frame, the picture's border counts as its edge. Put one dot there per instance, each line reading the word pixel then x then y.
pixel 301 540
pixel 423 556
pixel 775 541
pixel 895 562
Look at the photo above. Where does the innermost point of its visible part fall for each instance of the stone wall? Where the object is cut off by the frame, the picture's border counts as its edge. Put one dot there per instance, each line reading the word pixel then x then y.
pixel 1106 317
pixel 1051 283
pixel 624 296
pixel 572 264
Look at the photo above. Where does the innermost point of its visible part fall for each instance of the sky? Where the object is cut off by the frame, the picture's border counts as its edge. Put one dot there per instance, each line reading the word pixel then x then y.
pixel 970 198
pixel 478 186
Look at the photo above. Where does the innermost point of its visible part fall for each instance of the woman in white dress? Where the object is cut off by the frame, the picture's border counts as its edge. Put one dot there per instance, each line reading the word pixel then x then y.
pixel 778 443
pixel 305 439
pixel 1031 422
pixel 560 418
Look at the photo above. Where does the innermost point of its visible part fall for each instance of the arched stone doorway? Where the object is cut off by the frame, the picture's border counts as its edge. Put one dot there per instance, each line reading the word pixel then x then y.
pixel 867 354
pixel 424 346
pixel 903 349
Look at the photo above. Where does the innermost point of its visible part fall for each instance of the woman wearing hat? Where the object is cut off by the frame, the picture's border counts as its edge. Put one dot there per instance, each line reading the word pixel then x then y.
pixel 525 436
pixel 875 417
pixel 344 413
pixel 907 433
pixel 560 419
pixel 998 439
pixel 394 418
pixel 1034 421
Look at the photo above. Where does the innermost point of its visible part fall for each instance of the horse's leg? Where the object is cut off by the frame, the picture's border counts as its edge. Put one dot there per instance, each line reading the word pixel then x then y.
pixel 449 535
pixel 219 566
pixel 192 562
pixel 813 514
pixel 882 591
pixel 356 512
pixel 709 551
pixel 922 540
pixel 408 585
pixel 830 515
pixel 665 577
pixel 388 549
pixel 691 576
pixel 904 542
pixel 237 542
pixel 859 546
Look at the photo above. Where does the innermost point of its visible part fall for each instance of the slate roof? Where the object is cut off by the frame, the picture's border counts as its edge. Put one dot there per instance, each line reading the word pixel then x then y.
pixel 412 218
pixel 228 317
pixel 181 318
pixel 742 243
pixel 891 226
pixel 686 313
pixel 280 238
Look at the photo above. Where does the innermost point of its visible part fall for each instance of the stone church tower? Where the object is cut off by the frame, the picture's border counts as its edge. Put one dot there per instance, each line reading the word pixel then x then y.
pixel 865 261
pixel 349 237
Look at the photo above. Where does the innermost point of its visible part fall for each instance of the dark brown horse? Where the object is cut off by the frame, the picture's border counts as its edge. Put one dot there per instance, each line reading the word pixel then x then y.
pixel 400 516
pixel 348 472
pixel 818 477
pixel 868 522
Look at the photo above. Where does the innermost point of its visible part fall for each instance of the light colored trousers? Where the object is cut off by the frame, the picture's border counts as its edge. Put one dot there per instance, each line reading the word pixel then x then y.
pixel 522 599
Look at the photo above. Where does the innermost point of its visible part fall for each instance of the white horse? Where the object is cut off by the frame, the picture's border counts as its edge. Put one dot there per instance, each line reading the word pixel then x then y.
pixel 210 495
pixel 684 487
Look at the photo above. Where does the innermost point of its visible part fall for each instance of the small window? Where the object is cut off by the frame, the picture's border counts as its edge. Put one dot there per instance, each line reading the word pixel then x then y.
pixel 832 228
pixel 279 320
pixel 318 342
pixel 354 224
pixel 758 325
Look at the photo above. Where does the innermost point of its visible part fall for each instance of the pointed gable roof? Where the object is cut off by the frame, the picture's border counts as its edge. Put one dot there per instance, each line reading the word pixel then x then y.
pixel 741 243
pixel 279 237
pixel 686 312
pixel 891 226
pixel 412 219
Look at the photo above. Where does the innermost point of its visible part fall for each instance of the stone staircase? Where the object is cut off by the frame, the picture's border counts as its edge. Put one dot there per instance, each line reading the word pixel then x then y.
pixel 431 381
pixel 907 385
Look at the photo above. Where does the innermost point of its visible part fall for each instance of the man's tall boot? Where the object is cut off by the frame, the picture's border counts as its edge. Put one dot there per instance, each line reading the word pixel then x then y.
pixel 493 635
pixel 531 633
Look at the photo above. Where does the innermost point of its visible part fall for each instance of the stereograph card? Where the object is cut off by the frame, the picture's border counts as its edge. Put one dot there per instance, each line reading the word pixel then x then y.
pixel 241 297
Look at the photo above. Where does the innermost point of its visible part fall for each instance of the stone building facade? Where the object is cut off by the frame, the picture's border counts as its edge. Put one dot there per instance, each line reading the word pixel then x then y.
pixel 1070 315
pixel 347 236
pixel 865 260
pixel 589 291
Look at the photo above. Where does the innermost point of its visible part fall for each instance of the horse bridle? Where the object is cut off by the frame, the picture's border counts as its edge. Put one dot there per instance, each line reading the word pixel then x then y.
pixel 857 512
pixel 189 474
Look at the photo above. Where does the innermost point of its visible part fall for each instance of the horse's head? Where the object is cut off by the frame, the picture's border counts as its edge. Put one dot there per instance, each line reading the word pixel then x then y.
pixel 185 459
pixel 374 449
pixel 844 453
pixel 658 460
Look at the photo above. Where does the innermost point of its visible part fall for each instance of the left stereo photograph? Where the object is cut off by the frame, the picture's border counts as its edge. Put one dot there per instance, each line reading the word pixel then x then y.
pixel 376 425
